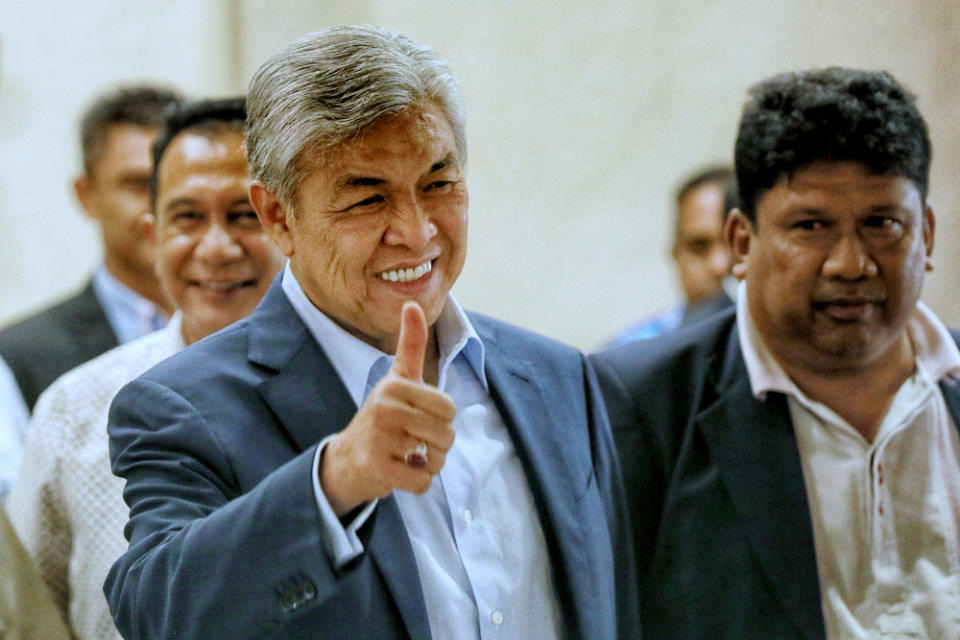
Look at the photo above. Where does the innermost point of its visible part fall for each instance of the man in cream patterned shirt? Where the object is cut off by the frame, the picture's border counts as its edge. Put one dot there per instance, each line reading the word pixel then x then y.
pixel 215 262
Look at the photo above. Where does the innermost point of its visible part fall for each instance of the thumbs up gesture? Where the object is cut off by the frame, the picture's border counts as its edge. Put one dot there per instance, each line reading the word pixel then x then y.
pixel 368 459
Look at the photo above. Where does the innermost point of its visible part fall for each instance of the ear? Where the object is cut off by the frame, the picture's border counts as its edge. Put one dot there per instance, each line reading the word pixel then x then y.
pixel 737 232
pixel 274 216
pixel 83 189
pixel 929 224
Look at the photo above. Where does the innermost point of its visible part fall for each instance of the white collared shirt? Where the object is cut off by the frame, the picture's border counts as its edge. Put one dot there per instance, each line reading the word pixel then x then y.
pixel 885 513
pixel 479 547
pixel 130 315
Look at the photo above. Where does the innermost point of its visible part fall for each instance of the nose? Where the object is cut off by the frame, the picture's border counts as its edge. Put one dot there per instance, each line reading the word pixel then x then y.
pixel 218 246
pixel 849 260
pixel 718 262
pixel 410 225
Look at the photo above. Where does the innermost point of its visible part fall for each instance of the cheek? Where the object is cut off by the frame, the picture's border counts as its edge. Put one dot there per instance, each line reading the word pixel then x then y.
pixel 175 252
pixel 130 205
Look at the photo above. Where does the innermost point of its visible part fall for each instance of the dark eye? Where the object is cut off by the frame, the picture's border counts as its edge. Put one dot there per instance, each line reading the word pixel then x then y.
pixel 437 185
pixel 366 202
pixel 245 218
pixel 810 224
pixel 140 185
pixel 880 222
pixel 698 246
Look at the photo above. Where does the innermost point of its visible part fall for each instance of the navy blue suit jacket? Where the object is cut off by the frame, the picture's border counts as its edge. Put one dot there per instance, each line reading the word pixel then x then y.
pixel 722 528
pixel 216 446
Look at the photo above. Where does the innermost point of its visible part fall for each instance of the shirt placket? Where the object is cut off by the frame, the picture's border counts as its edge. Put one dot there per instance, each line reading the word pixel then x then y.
pixel 468 531
pixel 883 551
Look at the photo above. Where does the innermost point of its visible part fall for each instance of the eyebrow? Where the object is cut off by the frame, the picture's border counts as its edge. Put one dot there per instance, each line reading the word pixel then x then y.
pixel 186 201
pixel 356 180
pixel 182 201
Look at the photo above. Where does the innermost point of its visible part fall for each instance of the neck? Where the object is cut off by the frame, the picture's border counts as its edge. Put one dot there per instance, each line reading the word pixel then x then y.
pixel 861 396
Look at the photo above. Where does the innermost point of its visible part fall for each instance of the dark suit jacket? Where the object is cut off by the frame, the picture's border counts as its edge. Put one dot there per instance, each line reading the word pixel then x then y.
pixel 216 446
pixel 41 348
pixel 723 536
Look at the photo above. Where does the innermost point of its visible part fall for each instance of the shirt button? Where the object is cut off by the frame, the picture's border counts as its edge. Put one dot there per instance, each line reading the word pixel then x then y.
pixel 467 516
pixel 496 618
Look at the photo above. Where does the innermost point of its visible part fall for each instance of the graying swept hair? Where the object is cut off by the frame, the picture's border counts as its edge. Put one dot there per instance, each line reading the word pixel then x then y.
pixel 328 87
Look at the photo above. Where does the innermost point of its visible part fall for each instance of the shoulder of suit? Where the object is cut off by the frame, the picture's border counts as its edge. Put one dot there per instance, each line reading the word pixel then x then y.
pixel 511 338
pixel 687 348
pixel 68 316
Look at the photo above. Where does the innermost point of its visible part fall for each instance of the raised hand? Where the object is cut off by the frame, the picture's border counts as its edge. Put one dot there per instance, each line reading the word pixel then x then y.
pixel 366 460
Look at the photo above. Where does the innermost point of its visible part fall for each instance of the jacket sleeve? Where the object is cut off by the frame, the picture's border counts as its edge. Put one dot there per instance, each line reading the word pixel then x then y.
pixel 609 477
pixel 206 559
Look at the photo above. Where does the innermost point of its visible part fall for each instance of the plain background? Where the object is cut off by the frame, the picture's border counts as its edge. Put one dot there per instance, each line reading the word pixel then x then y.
pixel 582 117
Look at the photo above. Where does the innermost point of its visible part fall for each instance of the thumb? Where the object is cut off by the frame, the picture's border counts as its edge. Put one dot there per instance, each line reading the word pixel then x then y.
pixel 412 343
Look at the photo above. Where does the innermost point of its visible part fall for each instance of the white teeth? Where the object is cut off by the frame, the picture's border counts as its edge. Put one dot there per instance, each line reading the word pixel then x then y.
pixel 406 275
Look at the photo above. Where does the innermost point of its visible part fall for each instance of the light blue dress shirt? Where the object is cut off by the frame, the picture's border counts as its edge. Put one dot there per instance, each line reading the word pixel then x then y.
pixel 13 428
pixel 130 315
pixel 479 547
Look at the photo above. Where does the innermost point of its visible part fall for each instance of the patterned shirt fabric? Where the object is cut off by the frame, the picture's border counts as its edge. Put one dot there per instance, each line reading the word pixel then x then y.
pixel 885 513
pixel 67 505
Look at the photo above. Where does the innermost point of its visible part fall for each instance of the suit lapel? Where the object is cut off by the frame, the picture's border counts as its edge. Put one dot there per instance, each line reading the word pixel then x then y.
pixel 389 546
pixel 756 453
pixel 92 330
pixel 950 388
pixel 305 392
pixel 310 402
pixel 536 428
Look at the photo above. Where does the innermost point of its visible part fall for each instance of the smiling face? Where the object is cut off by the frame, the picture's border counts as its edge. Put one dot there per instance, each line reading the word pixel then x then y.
pixel 214 259
pixel 380 220
pixel 834 265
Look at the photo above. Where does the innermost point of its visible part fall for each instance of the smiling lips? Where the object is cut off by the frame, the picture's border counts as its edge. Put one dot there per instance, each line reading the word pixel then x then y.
pixel 407 275
pixel 223 285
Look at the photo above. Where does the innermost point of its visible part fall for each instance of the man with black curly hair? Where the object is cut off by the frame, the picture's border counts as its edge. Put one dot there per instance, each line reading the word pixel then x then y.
pixel 801 479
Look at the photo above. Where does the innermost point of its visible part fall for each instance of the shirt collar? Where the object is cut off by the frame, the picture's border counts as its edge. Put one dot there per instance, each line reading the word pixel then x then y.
pixel 125 306
pixel 354 360
pixel 936 352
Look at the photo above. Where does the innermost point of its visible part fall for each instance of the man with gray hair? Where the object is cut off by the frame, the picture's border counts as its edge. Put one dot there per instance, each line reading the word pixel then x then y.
pixel 361 458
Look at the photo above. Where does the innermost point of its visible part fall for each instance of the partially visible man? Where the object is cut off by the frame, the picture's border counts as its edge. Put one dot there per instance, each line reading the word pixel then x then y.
pixel 215 261
pixel 123 300
pixel 26 610
pixel 361 458
pixel 13 427
pixel 700 253
pixel 793 468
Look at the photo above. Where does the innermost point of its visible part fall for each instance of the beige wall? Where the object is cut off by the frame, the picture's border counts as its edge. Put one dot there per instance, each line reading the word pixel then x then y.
pixel 582 117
